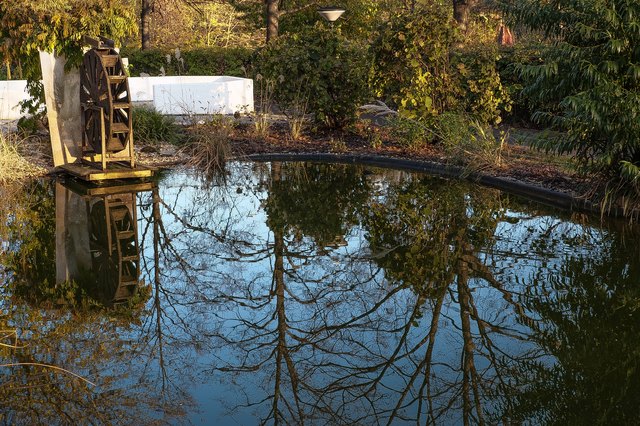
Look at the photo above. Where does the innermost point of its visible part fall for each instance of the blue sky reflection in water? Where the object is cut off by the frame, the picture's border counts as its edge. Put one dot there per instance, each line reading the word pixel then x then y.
pixel 317 294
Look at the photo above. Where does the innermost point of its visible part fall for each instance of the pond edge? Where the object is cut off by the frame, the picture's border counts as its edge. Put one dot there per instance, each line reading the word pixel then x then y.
pixel 533 192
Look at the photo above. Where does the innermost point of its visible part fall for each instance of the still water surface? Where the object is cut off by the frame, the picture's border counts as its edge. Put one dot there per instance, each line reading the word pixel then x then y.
pixel 313 294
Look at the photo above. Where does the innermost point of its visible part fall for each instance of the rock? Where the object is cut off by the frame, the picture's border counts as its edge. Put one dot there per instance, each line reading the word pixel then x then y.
pixel 167 151
pixel 149 149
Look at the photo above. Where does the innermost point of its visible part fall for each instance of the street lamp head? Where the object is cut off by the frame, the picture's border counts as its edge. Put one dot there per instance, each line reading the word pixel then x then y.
pixel 331 13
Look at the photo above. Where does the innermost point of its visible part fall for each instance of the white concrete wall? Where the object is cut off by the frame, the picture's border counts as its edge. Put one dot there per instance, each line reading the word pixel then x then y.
pixel 11 93
pixel 170 95
pixel 225 95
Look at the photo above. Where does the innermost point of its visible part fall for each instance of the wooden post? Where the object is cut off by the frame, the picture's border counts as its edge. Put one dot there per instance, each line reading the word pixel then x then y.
pixel 103 139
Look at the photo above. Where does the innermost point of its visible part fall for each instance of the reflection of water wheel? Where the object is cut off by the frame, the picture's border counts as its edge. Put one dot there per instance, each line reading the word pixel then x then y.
pixel 106 104
pixel 114 246
pixel 103 264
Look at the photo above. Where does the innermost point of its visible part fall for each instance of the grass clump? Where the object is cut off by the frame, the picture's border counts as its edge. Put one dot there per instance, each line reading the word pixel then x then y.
pixel 470 143
pixel 13 165
pixel 410 132
pixel 152 128
pixel 208 145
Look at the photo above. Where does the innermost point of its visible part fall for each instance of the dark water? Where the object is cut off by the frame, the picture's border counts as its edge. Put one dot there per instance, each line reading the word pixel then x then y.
pixel 313 294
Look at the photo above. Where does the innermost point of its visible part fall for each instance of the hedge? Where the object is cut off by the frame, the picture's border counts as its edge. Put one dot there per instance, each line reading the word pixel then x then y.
pixel 197 61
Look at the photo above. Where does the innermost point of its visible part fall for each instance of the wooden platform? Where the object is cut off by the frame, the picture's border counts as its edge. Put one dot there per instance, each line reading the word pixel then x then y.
pixel 114 171
pixel 90 189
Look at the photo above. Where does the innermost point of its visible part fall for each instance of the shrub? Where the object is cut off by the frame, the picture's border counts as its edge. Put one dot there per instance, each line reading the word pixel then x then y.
pixel 478 82
pixel 322 66
pixel 409 132
pixel 208 146
pixel 199 61
pixel 411 57
pixel 420 72
pixel 151 127
pixel 30 124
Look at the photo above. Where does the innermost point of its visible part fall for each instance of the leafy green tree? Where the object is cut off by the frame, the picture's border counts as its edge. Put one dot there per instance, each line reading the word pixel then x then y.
pixel 189 23
pixel 359 21
pixel 591 74
pixel 58 26
pixel 412 62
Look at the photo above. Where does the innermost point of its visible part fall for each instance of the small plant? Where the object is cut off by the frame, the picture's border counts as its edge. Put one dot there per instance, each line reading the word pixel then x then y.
pixel 411 133
pixel 151 127
pixel 470 143
pixel 371 132
pixel 208 145
pixel 265 102
pixel 296 115
pixel 407 131
pixel 337 144
pixel 179 62
pixel 31 124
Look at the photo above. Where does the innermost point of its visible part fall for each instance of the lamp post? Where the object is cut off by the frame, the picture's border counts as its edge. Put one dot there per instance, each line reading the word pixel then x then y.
pixel 331 13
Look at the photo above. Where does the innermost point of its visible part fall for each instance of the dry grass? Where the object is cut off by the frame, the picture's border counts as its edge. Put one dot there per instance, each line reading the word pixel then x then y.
pixel 13 164
pixel 471 144
pixel 208 146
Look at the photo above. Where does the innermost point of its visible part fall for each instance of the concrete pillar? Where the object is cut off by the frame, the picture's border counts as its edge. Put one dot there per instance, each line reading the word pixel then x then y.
pixel 62 95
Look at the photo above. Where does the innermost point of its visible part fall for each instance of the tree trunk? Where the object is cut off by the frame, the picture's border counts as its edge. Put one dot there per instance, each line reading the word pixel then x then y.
pixel 461 9
pixel 272 19
pixel 145 21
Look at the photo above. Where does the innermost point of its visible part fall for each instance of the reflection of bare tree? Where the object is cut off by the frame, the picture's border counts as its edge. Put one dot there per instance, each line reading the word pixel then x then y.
pixel 339 342
pixel 446 228
pixel 415 303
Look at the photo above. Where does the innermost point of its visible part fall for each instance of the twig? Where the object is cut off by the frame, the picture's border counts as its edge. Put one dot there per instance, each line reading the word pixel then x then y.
pixel 37 364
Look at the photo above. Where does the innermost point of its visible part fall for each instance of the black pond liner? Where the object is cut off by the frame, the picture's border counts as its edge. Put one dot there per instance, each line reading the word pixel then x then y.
pixel 532 192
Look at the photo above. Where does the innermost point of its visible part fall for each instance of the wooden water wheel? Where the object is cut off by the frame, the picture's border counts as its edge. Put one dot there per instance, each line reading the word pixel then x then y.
pixel 106 105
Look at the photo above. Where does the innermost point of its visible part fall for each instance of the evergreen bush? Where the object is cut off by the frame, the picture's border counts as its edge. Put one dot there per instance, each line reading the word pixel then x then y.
pixel 151 127
pixel 591 70
pixel 321 66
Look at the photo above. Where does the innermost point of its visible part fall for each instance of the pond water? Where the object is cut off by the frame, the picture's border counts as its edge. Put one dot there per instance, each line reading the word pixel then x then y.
pixel 304 293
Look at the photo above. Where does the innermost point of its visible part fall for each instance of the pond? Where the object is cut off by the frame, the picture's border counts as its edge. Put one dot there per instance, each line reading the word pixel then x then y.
pixel 304 293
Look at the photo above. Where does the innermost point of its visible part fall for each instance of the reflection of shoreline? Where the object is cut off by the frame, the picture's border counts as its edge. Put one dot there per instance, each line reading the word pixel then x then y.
pixel 97 239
